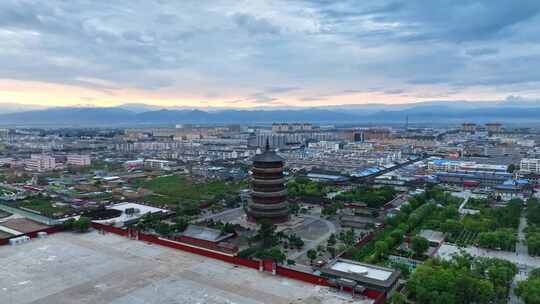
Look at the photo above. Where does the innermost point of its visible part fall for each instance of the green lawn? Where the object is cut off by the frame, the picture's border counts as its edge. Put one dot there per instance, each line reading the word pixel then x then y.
pixel 172 190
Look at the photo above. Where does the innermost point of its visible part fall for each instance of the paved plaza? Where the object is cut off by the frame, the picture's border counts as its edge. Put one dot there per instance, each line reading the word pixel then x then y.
pixel 523 261
pixel 95 268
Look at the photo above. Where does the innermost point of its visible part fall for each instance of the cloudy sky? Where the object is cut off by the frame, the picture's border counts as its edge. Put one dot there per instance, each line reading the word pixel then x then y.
pixel 258 53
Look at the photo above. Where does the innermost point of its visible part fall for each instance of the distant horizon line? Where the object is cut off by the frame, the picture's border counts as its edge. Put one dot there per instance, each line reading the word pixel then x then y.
pixel 33 106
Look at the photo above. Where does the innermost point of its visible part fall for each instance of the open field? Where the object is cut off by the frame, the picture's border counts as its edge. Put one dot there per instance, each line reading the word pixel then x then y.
pixel 174 189
pixel 94 268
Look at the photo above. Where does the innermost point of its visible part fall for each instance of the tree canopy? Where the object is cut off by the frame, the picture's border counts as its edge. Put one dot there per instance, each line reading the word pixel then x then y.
pixel 529 290
pixel 462 280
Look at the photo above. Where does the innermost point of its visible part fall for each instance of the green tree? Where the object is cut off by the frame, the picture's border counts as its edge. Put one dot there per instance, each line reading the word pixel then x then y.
pixel 348 237
pixel 451 226
pixel 312 255
pixel 267 234
pixel 397 235
pixel 419 245
pixel 273 253
pixel 82 224
pixel 181 223
pixel 294 208
pixel 529 291
pixel 404 268
pixel 228 228
pixel 163 228
pixel 439 281
pixel 381 249
pixel 296 241
pixel 68 224
pixel 332 240
pixel 398 298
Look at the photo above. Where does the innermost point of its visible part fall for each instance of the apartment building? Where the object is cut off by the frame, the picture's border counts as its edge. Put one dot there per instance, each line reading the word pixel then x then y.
pixel 78 160
pixel 530 165
pixel 40 162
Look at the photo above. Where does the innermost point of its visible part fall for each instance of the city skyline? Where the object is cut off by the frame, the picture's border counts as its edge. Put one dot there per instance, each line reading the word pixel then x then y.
pixel 266 53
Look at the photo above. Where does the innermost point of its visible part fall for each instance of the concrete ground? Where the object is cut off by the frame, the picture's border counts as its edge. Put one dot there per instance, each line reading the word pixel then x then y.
pixel 523 261
pixel 94 268
pixel 314 231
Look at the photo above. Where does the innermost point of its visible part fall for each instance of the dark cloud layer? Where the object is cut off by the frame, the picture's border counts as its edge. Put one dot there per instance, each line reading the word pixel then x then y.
pixel 262 50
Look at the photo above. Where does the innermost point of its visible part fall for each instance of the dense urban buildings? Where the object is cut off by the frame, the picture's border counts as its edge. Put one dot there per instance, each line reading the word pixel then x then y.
pixel 354 208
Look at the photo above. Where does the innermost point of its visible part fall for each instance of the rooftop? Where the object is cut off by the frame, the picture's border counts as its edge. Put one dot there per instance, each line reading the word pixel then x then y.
pixel 22 225
pixel 143 209
pixel 358 269
pixel 362 273
pixel 95 268
pixel 432 235
pixel 267 157
pixel 205 233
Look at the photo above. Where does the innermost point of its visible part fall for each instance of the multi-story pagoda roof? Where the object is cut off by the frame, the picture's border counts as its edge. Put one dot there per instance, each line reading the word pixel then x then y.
pixel 268 156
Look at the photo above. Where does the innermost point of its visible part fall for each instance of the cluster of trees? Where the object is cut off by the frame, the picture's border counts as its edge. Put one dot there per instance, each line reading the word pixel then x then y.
pixel 188 208
pixel 273 253
pixel 419 245
pixel 80 225
pixel 462 280
pixel 152 222
pixel 294 208
pixel 533 240
pixel 348 237
pixel 179 190
pixel 495 227
pixel 295 241
pixel 331 209
pixel 512 168
pixel 331 245
pixel 222 226
pixel 533 211
pixel 533 229
pixel 268 243
pixel 408 219
pixel 500 239
pixel 440 215
pixel 372 197
pixel 508 216
pixel 477 203
pixel 438 195
pixel 304 188
pixel 529 290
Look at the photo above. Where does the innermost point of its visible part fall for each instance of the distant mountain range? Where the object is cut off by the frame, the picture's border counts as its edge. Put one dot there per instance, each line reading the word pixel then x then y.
pixel 426 112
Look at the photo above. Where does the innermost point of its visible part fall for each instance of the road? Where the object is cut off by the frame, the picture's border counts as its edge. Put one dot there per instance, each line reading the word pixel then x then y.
pixel 313 244
pixel 521 246
pixel 521 250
